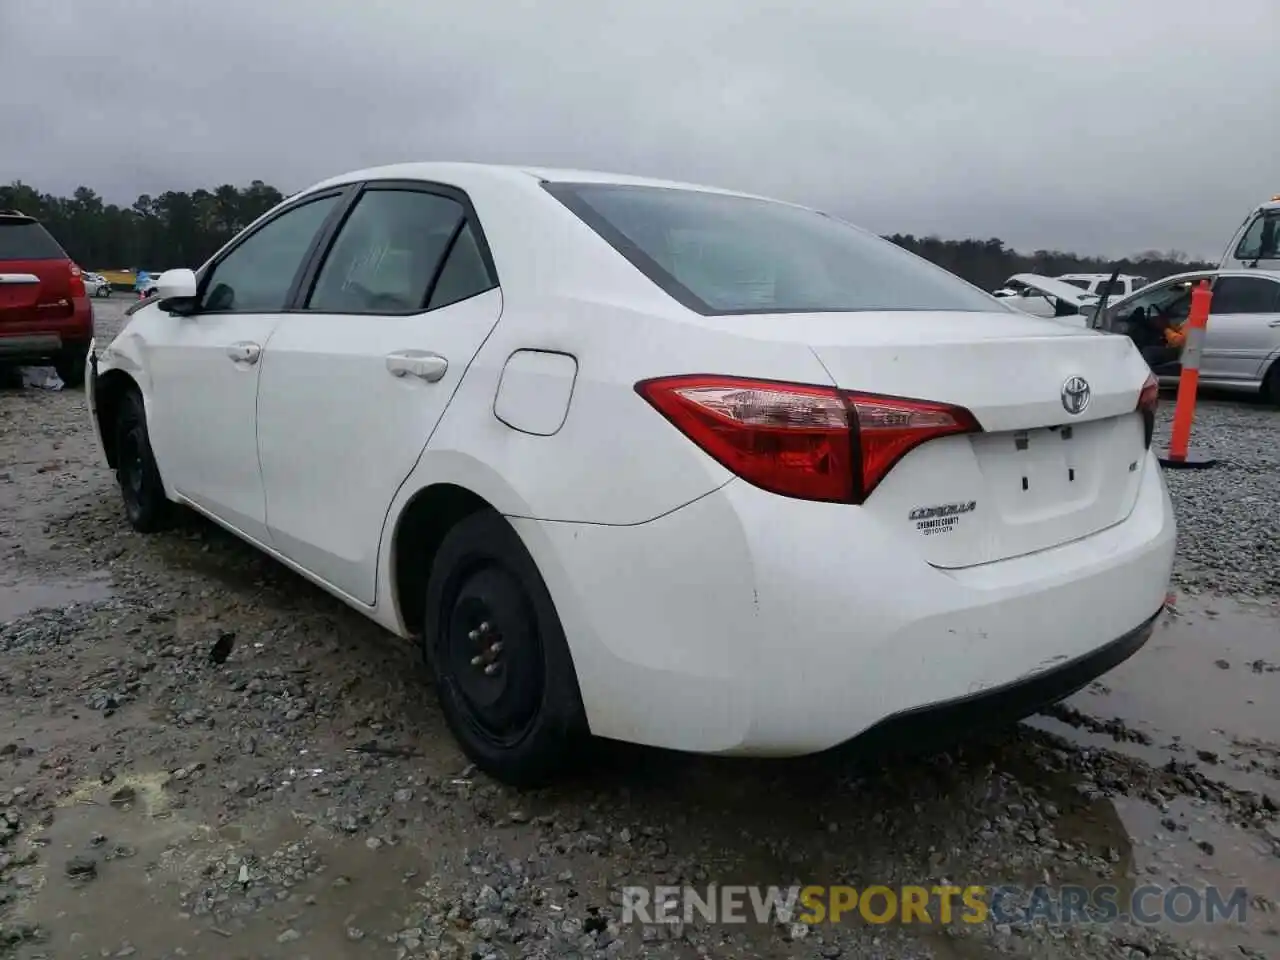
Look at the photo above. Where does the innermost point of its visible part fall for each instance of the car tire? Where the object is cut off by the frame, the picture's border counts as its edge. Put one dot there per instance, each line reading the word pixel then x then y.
pixel 141 488
pixel 1271 385
pixel 497 652
pixel 69 365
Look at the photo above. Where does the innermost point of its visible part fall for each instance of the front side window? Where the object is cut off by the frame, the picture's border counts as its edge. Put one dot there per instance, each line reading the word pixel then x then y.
pixel 724 254
pixel 1170 302
pixel 390 251
pixel 257 275
pixel 1245 295
pixel 1261 241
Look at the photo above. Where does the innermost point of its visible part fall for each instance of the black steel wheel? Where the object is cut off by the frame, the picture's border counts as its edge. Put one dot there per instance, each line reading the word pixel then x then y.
pixel 498 654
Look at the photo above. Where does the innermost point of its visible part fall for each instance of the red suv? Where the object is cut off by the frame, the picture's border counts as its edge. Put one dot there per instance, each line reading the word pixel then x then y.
pixel 45 314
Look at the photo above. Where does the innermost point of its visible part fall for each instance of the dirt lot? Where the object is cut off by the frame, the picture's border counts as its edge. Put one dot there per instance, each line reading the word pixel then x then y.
pixel 201 755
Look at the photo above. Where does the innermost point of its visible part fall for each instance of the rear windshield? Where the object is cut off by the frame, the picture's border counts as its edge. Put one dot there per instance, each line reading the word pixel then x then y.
pixel 720 254
pixel 1076 282
pixel 27 240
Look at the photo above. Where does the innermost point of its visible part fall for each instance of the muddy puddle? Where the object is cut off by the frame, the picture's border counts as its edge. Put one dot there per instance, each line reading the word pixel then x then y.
pixel 1205 690
pixel 1189 844
pixel 111 855
pixel 18 597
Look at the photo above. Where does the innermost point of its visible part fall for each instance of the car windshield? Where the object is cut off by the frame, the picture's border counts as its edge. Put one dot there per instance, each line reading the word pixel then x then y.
pixel 724 254
pixel 23 239
pixel 1261 241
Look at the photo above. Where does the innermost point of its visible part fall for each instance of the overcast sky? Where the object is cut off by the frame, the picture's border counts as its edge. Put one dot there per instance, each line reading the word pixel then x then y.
pixel 1105 126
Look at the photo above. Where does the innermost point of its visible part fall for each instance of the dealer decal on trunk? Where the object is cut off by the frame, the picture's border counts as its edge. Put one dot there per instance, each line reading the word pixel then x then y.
pixel 941 518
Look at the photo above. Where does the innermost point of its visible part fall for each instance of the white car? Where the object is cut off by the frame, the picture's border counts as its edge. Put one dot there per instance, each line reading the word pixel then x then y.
pixel 1098 283
pixel 653 462
pixel 1046 297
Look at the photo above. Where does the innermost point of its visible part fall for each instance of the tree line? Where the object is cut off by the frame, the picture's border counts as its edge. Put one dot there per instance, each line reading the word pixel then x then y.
pixel 180 229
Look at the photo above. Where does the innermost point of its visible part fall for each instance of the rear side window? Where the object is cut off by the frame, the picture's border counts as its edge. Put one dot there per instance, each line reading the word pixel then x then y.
pixel 23 239
pixel 464 273
pixel 388 253
pixel 722 254
pixel 1245 295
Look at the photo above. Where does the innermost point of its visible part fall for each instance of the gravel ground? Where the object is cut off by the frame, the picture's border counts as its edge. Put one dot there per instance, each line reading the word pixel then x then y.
pixel 201 755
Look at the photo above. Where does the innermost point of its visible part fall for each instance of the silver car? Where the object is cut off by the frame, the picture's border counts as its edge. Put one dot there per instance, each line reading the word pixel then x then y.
pixel 95 284
pixel 1242 340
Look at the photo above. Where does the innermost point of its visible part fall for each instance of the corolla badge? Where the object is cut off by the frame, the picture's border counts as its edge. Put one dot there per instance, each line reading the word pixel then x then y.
pixel 1075 395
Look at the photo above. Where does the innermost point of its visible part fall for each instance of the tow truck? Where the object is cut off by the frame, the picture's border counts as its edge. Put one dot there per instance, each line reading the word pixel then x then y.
pixel 1256 245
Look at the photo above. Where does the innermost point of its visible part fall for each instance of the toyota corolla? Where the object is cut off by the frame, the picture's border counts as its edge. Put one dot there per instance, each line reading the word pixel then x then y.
pixel 651 462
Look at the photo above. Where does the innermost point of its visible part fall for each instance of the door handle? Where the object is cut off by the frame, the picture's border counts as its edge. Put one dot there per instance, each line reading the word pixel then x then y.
pixel 1274 323
pixel 422 364
pixel 244 352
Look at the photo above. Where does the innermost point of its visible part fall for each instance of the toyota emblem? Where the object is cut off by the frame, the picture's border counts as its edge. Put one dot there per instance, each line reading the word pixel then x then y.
pixel 1075 395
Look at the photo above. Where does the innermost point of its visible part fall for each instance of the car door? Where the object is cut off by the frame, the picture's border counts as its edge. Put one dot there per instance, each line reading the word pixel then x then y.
pixel 355 380
pixel 204 366
pixel 1168 300
pixel 1243 328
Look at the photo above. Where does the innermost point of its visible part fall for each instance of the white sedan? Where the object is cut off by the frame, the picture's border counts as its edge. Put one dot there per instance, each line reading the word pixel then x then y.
pixel 652 462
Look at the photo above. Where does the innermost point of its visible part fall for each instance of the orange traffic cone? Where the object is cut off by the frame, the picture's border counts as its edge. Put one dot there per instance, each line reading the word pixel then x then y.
pixel 1179 456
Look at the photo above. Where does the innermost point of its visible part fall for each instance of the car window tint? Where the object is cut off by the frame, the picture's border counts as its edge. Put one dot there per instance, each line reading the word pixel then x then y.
pixel 22 239
pixel 256 276
pixel 464 273
pixel 1262 239
pixel 725 254
pixel 1172 301
pixel 1244 295
pixel 386 254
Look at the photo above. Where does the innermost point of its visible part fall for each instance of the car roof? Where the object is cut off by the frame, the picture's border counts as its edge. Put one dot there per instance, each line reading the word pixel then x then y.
pixel 464 174
pixel 1219 272
pixel 1098 276
pixel 1208 274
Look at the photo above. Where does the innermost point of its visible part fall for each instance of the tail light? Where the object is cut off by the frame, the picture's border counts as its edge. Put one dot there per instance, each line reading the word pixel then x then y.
pixel 798 440
pixel 77 282
pixel 1148 401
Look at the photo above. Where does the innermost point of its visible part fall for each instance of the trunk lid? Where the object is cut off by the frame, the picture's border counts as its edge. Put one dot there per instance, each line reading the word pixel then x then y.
pixel 1039 475
pixel 35 273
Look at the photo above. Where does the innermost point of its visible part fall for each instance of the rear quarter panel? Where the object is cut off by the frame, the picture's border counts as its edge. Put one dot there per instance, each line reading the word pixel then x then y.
pixel 615 460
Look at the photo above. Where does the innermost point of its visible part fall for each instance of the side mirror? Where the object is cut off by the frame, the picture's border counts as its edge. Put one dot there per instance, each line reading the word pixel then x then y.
pixel 176 290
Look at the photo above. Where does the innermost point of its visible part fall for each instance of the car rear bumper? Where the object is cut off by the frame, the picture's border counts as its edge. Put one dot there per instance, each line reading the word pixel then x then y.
pixel 32 341
pixel 750 623
pixel 29 347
